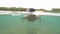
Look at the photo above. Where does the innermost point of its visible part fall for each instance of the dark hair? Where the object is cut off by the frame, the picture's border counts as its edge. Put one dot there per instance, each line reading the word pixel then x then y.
pixel 31 10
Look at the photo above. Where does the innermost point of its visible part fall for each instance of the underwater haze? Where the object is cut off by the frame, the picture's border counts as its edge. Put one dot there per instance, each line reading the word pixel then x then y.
pixel 18 25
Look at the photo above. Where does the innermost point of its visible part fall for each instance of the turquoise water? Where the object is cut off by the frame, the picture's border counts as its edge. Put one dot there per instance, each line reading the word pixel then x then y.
pixel 18 25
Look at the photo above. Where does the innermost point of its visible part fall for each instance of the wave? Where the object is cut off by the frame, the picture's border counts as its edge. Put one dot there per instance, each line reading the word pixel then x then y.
pixel 27 13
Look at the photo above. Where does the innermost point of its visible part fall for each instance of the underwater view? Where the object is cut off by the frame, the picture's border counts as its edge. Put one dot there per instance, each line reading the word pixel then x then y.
pixel 19 25
pixel 30 17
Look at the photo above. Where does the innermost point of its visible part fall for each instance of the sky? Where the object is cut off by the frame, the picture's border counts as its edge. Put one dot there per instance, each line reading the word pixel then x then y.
pixel 37 4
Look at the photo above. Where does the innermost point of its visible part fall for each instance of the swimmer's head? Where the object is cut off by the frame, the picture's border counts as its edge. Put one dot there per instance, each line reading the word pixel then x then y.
pixel 31 10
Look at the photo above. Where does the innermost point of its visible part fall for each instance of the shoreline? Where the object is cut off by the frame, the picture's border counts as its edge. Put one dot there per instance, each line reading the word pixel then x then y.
pixel 34 13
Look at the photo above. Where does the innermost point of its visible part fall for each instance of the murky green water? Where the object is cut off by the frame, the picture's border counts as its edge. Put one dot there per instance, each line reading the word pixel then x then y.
pixel 18 25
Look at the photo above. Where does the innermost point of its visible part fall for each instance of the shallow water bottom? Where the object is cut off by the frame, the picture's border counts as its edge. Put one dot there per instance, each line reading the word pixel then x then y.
pixel 18 25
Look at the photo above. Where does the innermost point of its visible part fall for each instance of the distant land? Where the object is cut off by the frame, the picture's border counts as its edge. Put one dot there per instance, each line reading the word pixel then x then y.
pixel 54 10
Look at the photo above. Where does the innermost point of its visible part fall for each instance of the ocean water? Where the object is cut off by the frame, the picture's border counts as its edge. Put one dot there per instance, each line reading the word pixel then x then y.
pixel 18 25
